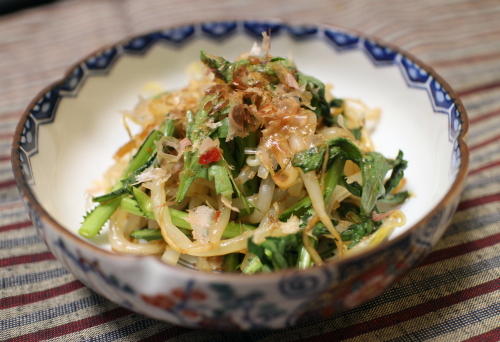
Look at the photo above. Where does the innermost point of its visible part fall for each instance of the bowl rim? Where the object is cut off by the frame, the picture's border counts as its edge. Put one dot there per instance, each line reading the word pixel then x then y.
pixel 453 191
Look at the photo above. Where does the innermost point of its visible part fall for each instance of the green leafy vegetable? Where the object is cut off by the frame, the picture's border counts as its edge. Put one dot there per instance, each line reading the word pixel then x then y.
pixel 318 101
pixel 254 265
pixel 231 262
pixel 97 217
pixel 277 252
pixel 168 128
pixel 179 218
pixel 108 203
pixel 221 68
pixel 374 168
pixel 354 187
pixel 337 103
pixel 397 173
pixel 146 234
pixel 221 178
pixel 356 132
pixel 247 206
pixel 124 186
pixel 355 232
pixel 333 177
pixel 143 202
pixel 346 148
pixel 390 200
pixel 297 209
pixel 346 208
pixel 222 131
pixel 196 131
pixel 144 153
pixel 234 150
pixel 304 260
pixel 130 205
pixel 309 160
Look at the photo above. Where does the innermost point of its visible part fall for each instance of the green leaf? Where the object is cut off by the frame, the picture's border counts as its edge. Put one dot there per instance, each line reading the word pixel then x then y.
pixel 253 266
pixel 97 217
pixel 124 186
pixel 318 101
pixel 309 160
pixel 337 103
pixel 143 159
pixel 397 173
pixel 221 178
pixel 196 128
pixel 222 131
pixel 374 168
pixel 146 234
pixel 247 206
pixel 231 262
pixel 357 231
pixel 130 205
pixel 354 188
pixel 123 190
pixel 333 177
pixel 277 252
pixel 179 218
pixel 221 68
pixel 196 131
pixel 346 207
pixel 390 201
pixel 320 229
pixel 297 209
pixel 356 132
pixel 192 170
pixel 143 202
pixel 234 229
pixel 218 65
pixel 234 150
pixel 168 128
pixel 144 153
pixel 251 186
pixel 348 150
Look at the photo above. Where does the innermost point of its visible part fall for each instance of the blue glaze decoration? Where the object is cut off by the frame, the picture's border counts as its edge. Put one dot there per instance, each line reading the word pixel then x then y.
pixel 101 61
pixel 341 40
pixel 219 29
pixel 177 35
pixel 379 53
pixel 256 28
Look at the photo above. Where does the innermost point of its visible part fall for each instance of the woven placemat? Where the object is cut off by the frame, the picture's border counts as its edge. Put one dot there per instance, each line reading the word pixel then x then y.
pixel 452 296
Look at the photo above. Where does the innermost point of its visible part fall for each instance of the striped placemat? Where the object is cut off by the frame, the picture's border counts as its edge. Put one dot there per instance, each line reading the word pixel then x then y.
pixel 452 296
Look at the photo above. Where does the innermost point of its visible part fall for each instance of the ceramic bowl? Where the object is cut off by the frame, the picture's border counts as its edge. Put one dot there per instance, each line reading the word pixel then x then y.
pixel 67 135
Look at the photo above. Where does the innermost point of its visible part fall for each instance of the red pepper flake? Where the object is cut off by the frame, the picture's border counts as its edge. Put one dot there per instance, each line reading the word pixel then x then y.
pixel 211 156
pixel 217 215
pixel 379 217
pixel 189 313
pixel 179 293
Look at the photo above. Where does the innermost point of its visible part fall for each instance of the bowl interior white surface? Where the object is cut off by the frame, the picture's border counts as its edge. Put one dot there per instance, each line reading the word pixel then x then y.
pixel 78 146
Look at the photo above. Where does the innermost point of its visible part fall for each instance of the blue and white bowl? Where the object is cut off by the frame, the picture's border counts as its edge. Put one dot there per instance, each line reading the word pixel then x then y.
pixel 67 135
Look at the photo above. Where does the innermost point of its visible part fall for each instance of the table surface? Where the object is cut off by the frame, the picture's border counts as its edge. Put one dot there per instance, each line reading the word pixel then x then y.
pixel 454 296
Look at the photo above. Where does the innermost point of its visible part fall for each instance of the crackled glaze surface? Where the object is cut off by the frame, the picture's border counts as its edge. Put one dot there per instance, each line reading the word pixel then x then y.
pixel 72 129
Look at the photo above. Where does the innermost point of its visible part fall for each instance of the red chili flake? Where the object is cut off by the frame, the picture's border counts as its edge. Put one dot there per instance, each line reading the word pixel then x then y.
pixel 198 295
pixel 189 313
pixel 160 301
pixel 179 293
pixel 211 156
pixel 217 215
